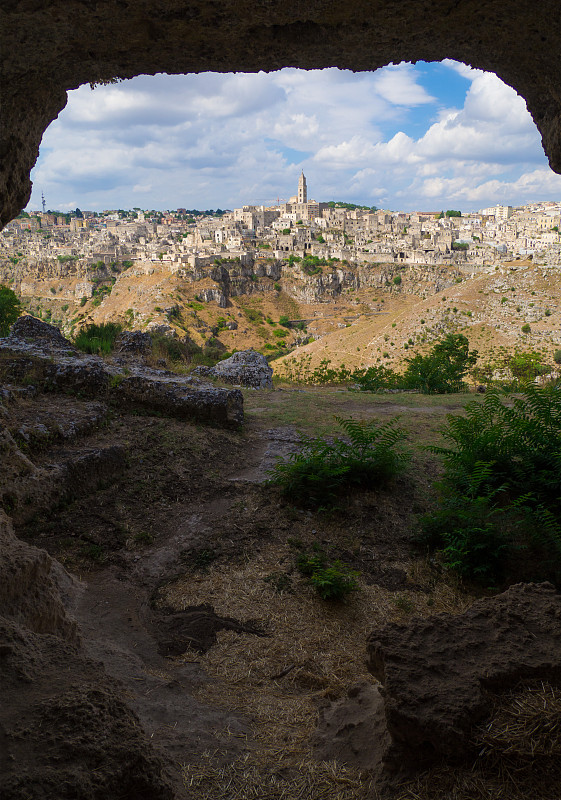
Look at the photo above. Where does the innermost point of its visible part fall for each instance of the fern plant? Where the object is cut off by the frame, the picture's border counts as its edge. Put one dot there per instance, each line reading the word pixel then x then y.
pixel 316 475
pixel 500 496
pixel 332 580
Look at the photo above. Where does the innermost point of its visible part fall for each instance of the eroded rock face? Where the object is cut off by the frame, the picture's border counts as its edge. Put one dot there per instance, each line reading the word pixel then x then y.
pixel 246 368
pixel 66 732
pixel 435 671
pixel 57 45
pixel 36 353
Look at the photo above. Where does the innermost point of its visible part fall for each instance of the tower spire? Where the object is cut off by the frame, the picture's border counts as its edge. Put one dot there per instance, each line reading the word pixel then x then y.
pixel 302 189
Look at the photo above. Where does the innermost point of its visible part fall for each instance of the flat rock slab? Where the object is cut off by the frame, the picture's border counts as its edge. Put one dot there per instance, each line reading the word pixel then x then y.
pixel 437 672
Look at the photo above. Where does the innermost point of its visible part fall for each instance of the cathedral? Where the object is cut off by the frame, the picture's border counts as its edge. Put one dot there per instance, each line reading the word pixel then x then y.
pixel 299 205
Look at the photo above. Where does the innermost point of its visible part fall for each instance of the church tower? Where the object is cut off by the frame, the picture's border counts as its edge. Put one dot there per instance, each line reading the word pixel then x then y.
pixel 302 189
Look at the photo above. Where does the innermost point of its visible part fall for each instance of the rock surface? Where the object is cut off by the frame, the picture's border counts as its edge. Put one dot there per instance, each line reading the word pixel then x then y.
pixel 436 671
pixel 28 330
pixel 37 353
pixel 133 343
pixel 246 368
pixel 51 48
pixel 66 732
pixel 353 730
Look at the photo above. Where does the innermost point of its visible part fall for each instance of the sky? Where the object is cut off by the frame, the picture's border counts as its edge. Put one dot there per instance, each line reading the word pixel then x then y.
pixel 406 137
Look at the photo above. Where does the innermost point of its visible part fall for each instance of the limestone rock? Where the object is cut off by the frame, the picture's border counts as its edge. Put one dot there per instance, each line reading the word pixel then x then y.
pixel 435 671
pixel 30 330
pixel 24 361
pixel 28 590
pixel 181 399
pixel 353 730
pixel 135 343
pixel 161 329
pixel 246 368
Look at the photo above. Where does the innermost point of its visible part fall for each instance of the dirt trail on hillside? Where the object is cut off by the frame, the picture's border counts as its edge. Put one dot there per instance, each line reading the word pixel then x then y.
pixel 192 500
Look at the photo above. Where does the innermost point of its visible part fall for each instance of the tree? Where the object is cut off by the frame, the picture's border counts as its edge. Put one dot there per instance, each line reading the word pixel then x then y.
pixel 452 213
pixel 441 371
pixel 10 309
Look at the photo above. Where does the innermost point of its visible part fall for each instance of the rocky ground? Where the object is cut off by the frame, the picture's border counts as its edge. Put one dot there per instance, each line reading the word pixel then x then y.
pixel 179 652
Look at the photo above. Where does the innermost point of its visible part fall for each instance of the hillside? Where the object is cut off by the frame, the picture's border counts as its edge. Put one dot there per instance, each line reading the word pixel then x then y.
pixel 491 309
pixel 358 315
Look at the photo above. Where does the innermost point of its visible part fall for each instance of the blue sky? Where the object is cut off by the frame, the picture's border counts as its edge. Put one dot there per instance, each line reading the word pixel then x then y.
pixel 406 137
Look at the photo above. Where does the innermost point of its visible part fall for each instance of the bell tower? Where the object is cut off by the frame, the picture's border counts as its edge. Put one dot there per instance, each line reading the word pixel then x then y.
pixel 302 189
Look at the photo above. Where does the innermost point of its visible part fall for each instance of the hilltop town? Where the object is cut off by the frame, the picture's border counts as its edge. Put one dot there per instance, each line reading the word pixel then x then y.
pixel 226 279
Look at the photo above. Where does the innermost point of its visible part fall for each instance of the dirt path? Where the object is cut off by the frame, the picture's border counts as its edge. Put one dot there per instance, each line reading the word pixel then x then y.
pixel 189 515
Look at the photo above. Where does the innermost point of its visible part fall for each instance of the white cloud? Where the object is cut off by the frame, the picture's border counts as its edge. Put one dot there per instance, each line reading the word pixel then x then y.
pixel 214 140
pixel 398 85
pixel 462 69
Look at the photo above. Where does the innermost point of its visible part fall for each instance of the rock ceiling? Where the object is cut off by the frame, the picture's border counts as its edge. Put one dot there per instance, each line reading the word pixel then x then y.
pixel 51 46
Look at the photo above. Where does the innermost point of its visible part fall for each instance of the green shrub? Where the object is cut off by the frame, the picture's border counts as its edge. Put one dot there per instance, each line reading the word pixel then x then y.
pixel 501 490
pixel 526 328
pixel 332 581
pixel 252 314
pixel 557 356
pixel 280 582
pixel 98 339
pixel 284 321
pixel 373 379
pixel 322 469
pixel 10 309
pixel 442 370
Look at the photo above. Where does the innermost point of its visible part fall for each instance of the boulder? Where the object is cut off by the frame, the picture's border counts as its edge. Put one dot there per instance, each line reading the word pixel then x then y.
pixel 32 331
pixel 437 672
pixel 133 343
pixel 161 329
pixel 246 368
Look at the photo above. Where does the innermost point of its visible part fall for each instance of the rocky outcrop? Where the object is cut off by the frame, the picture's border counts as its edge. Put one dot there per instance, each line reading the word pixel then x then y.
pixel 36 353
pixel 29 593
pixel 28 330
pixel 246 368
pixel 436 672
pixel 133 343
pixel 181 399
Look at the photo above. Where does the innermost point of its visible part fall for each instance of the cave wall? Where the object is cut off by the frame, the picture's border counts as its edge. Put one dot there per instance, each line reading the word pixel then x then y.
pixel 50 46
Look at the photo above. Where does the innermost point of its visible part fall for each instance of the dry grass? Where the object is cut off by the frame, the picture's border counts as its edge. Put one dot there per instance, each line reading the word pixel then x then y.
pixel 519 753
pixel 315 651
